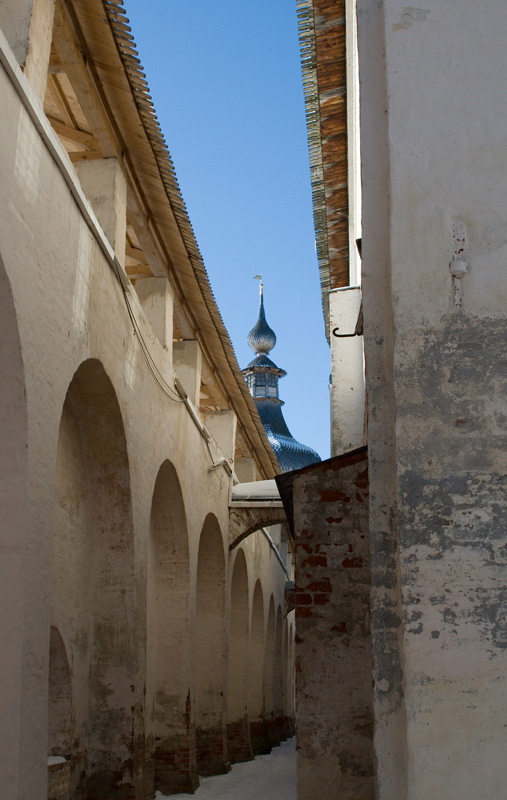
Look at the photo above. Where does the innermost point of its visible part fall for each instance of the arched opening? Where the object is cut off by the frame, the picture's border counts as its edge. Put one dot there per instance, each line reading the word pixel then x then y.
pixel 238 729
pixel 258 732
pixel 60 718
pixel 60 711
pixel 92 601
pixel 211 742
pixel 170 738
pixel 269 678
pixel 13 527
pixel 278 676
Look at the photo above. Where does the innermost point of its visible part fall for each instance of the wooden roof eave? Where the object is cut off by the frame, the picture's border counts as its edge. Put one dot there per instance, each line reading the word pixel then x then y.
pixel 110 55
pixel 322 40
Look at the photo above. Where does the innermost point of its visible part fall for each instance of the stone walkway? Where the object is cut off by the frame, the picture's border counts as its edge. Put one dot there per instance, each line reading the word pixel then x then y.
pixel 271 777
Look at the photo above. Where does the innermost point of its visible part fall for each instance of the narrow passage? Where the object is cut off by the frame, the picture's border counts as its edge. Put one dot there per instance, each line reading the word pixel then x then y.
pixel 271 777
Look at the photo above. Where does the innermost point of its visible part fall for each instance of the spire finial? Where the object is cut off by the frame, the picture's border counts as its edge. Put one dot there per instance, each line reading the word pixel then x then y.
pixel 261 284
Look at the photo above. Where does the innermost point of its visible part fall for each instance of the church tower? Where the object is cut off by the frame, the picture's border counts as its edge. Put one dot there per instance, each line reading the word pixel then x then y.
pixel 262 377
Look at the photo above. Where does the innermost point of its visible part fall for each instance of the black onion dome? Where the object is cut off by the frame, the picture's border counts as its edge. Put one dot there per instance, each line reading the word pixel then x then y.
pixel 261 338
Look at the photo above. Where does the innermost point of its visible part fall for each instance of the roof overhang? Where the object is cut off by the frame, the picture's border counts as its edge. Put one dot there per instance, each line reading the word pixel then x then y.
pixel 322 38
pixel 133 135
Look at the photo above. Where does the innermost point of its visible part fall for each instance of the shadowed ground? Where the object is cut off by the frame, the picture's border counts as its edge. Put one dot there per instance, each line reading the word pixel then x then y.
pixel 271 777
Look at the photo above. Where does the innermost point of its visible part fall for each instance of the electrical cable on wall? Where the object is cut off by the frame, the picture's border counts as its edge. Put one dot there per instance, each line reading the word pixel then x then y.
pixel 159 379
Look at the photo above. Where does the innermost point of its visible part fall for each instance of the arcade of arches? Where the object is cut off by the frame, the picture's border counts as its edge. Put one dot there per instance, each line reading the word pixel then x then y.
pixel 169 656
pixel 144 648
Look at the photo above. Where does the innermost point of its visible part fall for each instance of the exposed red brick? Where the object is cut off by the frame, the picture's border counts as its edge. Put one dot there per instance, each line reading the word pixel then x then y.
pixel 341 627
pixel 315 561
pixel 362 480
pixel 212 758
pixel 305 611
pixel 333 496
pixel 238 741
pixel 353 563
pixel 320 586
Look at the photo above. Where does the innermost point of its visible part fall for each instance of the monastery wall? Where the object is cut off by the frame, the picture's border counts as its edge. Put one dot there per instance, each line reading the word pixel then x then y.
pixel 125 655
pixel 434 249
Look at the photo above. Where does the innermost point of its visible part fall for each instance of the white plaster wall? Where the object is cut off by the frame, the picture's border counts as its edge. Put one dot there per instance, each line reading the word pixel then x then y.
pixel 433 156
pixel 70 308
pixel 347 369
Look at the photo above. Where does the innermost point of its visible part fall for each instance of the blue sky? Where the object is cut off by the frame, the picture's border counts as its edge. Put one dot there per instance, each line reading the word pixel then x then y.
pixel 225 78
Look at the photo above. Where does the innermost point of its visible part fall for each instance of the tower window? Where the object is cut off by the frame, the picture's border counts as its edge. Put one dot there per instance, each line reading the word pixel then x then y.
pixel 260 385
pixel 272 385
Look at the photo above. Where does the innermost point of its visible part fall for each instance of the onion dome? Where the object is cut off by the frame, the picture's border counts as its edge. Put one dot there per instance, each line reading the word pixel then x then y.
pixel 262 376
pixel 261 338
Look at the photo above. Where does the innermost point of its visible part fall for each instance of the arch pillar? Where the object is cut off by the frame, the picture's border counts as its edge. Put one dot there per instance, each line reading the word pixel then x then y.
pixel 258 731
pixel 269 678
pixel 170 729
pixel 210 725
pixel 288 724
pixel 61 731
pixel 238 728
pixel 14 534
pixel 278 677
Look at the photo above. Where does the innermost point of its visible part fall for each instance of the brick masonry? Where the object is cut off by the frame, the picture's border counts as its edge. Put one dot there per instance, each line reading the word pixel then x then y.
pixel 175 764
pixel 333 639
pixel 239 744
pixel 272 730
pixel 212 756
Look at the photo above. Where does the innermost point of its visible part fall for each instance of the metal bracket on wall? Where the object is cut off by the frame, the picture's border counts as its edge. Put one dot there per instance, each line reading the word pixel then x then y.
pixel 358 329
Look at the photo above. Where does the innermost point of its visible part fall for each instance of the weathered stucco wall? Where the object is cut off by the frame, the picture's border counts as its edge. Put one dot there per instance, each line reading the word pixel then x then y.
pixel 434 178
pixel 334 720
pixel 347 371
pixel 107 486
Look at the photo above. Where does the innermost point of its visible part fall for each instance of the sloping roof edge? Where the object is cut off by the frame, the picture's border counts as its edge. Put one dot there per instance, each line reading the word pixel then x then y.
pixel 321 19
pixel 125 46
pixel 308 51
pixel 285 481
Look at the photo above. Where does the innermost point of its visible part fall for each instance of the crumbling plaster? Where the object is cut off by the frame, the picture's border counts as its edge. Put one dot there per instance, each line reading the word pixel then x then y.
pixel 432 157
pixel 334 715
